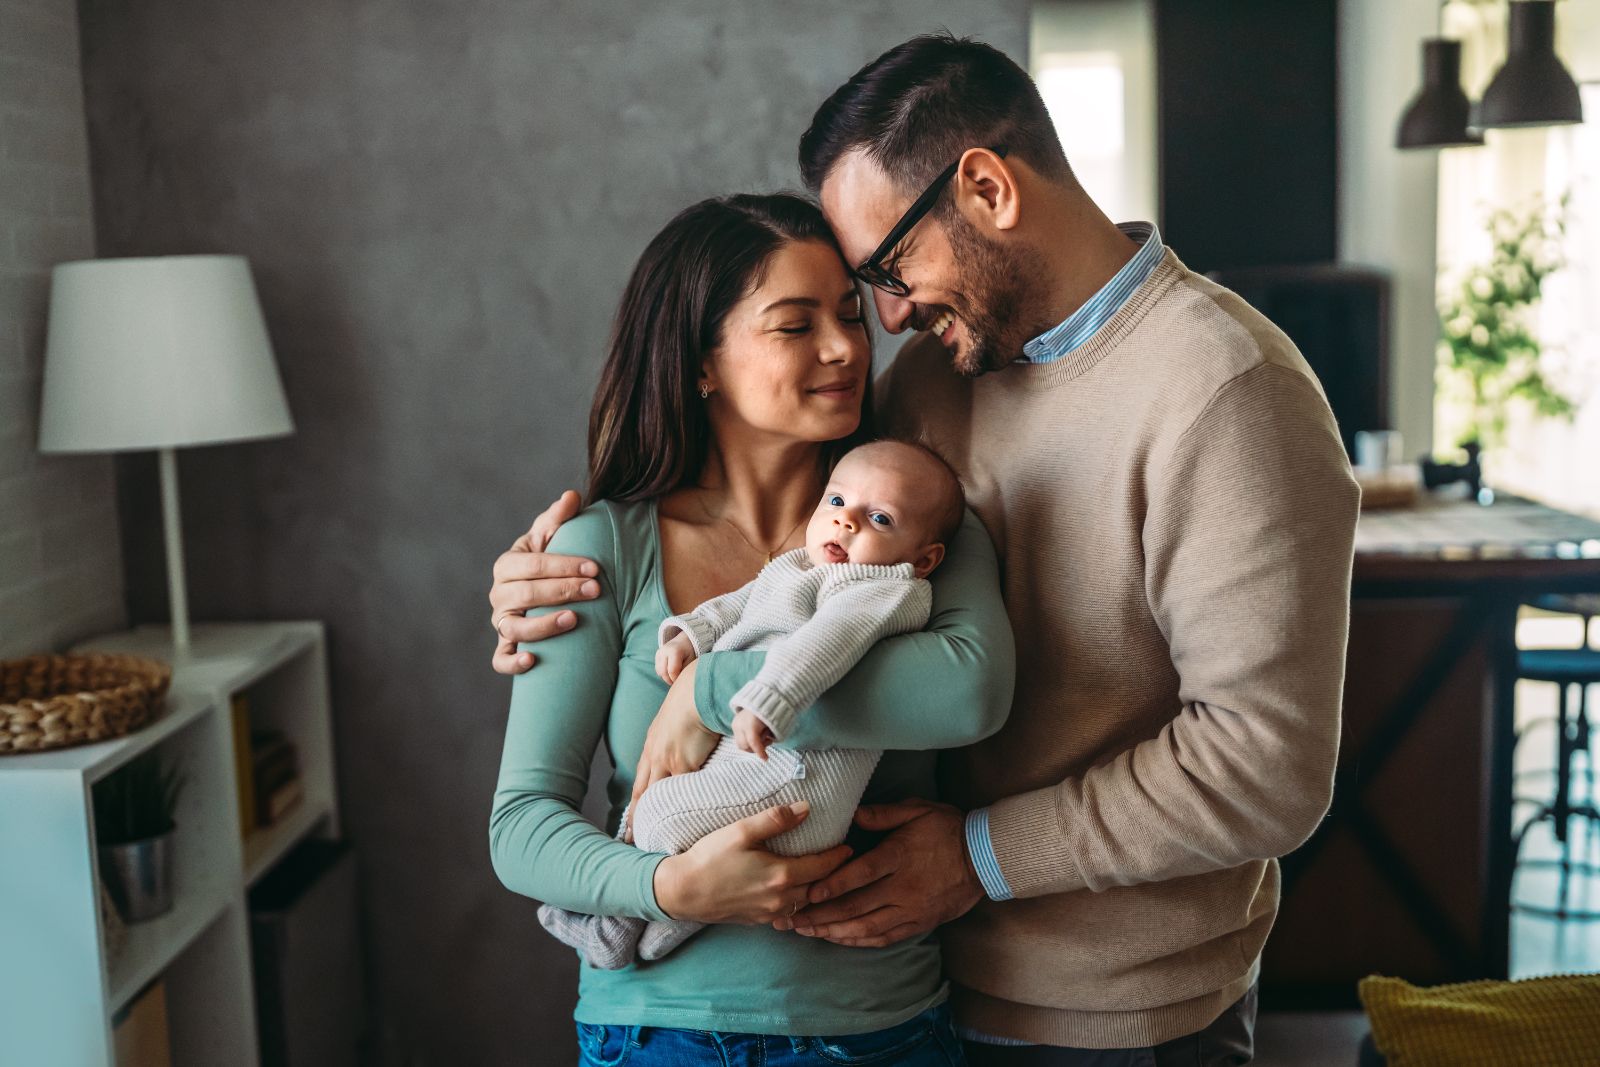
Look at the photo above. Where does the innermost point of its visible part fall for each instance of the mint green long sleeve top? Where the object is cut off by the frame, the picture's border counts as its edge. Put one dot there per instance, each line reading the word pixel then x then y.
pixel 947 685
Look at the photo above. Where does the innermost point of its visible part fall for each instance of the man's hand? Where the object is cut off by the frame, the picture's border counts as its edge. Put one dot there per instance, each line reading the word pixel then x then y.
pixel 528 577
pixel 917 878
pixel 673 656
pixel 750 733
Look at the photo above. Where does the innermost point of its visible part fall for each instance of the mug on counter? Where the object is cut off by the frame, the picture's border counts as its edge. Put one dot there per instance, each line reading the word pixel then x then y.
pixel 1379 450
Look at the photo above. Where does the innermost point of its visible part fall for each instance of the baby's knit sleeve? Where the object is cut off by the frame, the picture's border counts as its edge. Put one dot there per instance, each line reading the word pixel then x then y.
pixel 708 622
pixel 851 617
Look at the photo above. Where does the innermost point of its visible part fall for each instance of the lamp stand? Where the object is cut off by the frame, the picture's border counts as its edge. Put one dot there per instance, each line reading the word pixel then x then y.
pixel 172 526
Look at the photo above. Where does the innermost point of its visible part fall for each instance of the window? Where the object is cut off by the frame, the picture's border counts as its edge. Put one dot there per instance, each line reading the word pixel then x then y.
pixel 1548 459
pixel 1094 63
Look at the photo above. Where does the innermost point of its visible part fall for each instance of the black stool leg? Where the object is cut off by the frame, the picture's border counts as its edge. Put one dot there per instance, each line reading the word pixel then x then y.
pixel 1580 741
pixel 1586 810
pixel 1563 764
pixel 1563 808
pixel 1575 739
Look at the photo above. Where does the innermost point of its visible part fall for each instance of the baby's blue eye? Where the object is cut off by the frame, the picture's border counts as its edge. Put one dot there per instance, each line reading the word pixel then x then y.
pixel 882 520
pixel 836 500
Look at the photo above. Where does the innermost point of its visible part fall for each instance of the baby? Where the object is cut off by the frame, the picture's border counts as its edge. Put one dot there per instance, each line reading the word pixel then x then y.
pixel 881 527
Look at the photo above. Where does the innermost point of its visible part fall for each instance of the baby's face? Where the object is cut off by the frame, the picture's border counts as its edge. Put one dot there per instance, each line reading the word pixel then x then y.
pixel 871 511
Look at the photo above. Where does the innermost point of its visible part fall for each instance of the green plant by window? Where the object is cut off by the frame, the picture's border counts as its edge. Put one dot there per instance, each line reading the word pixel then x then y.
pixel 1488 353
pixel 136 801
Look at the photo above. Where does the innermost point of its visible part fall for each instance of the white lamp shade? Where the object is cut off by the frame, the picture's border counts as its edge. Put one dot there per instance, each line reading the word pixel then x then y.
pixel 157 353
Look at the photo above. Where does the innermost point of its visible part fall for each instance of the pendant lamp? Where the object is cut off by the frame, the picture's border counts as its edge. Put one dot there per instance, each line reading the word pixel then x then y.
pixel 1437 116
pixel 1533 88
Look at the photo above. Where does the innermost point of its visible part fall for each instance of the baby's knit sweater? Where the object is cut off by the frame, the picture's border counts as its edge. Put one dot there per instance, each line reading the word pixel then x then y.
pixel 816 622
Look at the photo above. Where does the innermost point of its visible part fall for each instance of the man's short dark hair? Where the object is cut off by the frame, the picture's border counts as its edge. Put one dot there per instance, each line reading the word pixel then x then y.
pixel 921 104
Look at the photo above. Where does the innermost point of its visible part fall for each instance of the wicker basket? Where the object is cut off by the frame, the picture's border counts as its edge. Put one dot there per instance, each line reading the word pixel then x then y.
pixel 59 701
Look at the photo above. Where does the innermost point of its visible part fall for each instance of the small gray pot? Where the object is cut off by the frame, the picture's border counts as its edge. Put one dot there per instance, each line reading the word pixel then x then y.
pixel 138 874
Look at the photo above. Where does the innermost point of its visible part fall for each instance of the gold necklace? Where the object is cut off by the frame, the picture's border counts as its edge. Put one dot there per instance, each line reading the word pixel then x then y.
pixel 770 553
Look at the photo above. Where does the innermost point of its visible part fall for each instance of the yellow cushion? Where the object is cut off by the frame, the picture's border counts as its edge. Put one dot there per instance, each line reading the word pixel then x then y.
pixel 1539 1022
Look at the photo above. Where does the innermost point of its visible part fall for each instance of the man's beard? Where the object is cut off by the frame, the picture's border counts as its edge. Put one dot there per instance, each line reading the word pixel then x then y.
pixel 997 298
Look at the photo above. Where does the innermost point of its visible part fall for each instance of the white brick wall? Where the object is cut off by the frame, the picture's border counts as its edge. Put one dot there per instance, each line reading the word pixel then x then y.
pixel 60 558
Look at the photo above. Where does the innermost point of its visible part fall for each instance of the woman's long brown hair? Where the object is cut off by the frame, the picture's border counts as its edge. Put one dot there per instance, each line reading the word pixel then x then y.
pixel 648 430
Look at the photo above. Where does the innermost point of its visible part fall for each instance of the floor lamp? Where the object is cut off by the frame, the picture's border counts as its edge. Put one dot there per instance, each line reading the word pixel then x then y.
pixel 159 353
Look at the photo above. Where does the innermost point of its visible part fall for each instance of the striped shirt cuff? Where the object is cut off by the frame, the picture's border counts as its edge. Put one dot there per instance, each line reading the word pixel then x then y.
pixel 982 852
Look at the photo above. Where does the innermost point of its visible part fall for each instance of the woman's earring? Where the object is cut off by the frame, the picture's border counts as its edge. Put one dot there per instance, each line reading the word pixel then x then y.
pixel 705 392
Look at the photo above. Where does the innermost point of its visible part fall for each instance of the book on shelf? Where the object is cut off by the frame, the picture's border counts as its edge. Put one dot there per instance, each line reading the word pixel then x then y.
pixel 285 797
pixel 268 745
pixel 139 1033
pixel 243 764
pixel 272 770
pixel 275 765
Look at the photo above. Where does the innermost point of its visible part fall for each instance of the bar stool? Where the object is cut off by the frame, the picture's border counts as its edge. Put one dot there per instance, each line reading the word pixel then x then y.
pixel 1570 669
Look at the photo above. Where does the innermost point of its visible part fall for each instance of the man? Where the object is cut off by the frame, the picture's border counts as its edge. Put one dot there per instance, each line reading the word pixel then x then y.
pixel 1164 481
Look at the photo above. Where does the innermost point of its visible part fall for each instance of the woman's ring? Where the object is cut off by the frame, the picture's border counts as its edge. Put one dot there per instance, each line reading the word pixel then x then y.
pixel 794 909
pixel 495 618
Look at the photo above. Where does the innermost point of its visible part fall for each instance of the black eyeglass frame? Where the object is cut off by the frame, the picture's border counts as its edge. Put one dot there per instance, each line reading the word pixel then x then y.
pixel 872 270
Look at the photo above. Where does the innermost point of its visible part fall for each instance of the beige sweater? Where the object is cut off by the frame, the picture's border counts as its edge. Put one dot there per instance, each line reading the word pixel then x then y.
pixel 1175 517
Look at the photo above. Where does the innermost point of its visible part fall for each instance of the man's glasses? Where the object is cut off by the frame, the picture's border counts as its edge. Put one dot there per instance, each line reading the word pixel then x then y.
pixel 872 271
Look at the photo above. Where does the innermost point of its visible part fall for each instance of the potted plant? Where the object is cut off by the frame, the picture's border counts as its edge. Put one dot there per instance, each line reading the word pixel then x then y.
pixel 133 814
pixel 1489 355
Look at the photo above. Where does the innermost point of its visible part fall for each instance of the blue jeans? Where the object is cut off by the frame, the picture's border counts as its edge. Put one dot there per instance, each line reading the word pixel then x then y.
pixel 928 1040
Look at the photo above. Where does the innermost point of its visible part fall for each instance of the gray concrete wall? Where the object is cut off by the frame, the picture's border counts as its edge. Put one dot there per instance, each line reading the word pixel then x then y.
pixel 60 559
pixel 441 202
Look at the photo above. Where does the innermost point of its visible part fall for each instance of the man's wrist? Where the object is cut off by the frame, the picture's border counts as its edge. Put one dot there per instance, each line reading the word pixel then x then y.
pixel 970 869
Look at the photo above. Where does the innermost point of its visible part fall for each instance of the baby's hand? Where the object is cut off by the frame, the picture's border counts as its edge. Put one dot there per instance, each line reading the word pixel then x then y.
pixel 673 657
pixel 750 733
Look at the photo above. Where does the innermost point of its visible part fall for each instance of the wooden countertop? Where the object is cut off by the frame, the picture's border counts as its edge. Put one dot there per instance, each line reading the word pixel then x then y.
pixel 1461 541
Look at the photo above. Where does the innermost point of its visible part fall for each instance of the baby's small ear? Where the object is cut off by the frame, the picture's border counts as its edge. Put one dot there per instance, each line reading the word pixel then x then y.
pixel 927 559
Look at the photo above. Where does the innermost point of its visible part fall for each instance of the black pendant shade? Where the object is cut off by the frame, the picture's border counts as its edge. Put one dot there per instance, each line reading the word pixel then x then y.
pixel 1438 115
pixel 1533 88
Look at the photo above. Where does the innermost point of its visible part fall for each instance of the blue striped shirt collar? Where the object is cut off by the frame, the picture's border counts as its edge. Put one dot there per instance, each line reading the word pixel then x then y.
pixel 1075 330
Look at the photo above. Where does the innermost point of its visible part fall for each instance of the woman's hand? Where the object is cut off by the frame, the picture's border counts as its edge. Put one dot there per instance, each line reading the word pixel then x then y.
pixel 677 742
pixel 728 876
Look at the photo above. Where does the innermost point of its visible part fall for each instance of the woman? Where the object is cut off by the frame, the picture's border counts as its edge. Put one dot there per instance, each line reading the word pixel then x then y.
pixel 739 369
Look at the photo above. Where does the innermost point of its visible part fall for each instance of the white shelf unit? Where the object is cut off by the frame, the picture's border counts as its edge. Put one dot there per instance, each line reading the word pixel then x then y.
pixel 58 988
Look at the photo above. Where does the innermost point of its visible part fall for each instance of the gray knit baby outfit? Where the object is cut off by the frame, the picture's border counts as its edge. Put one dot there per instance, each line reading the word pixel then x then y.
pixel 815 623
